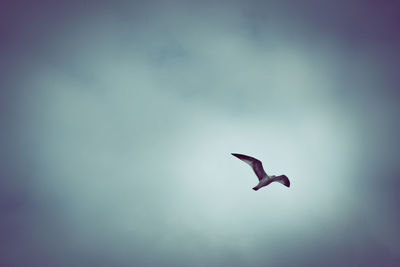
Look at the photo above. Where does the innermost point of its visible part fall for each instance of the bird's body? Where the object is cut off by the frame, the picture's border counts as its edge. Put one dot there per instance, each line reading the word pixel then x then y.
pixel 263 182
pixel 263 178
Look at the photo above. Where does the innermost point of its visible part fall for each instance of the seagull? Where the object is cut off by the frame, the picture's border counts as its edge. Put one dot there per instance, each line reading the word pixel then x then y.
pixel 263 178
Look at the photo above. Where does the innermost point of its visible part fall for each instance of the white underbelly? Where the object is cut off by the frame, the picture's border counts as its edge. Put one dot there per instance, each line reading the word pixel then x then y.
pixel 264 181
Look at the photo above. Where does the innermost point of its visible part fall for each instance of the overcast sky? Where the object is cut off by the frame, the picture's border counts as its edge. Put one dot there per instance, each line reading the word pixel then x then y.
pixel 118 119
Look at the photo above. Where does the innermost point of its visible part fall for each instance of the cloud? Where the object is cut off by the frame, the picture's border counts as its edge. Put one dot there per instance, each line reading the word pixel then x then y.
pixel 126 121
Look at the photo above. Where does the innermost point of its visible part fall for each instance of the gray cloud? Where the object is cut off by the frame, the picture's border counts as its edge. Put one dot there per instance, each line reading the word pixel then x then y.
pixel 120 120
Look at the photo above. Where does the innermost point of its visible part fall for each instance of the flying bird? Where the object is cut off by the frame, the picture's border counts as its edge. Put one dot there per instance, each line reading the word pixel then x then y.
pixel 263 178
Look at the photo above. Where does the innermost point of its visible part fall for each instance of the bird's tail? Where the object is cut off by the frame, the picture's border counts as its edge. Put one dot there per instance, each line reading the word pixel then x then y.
pixel 255 188
pixel 283 180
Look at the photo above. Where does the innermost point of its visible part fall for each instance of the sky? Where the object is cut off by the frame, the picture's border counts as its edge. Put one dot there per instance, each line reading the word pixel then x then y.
pixel 118 119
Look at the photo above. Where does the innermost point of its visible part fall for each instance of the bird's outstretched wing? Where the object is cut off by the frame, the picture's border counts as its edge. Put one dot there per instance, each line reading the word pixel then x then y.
pixel 254 163
pixel 283 180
